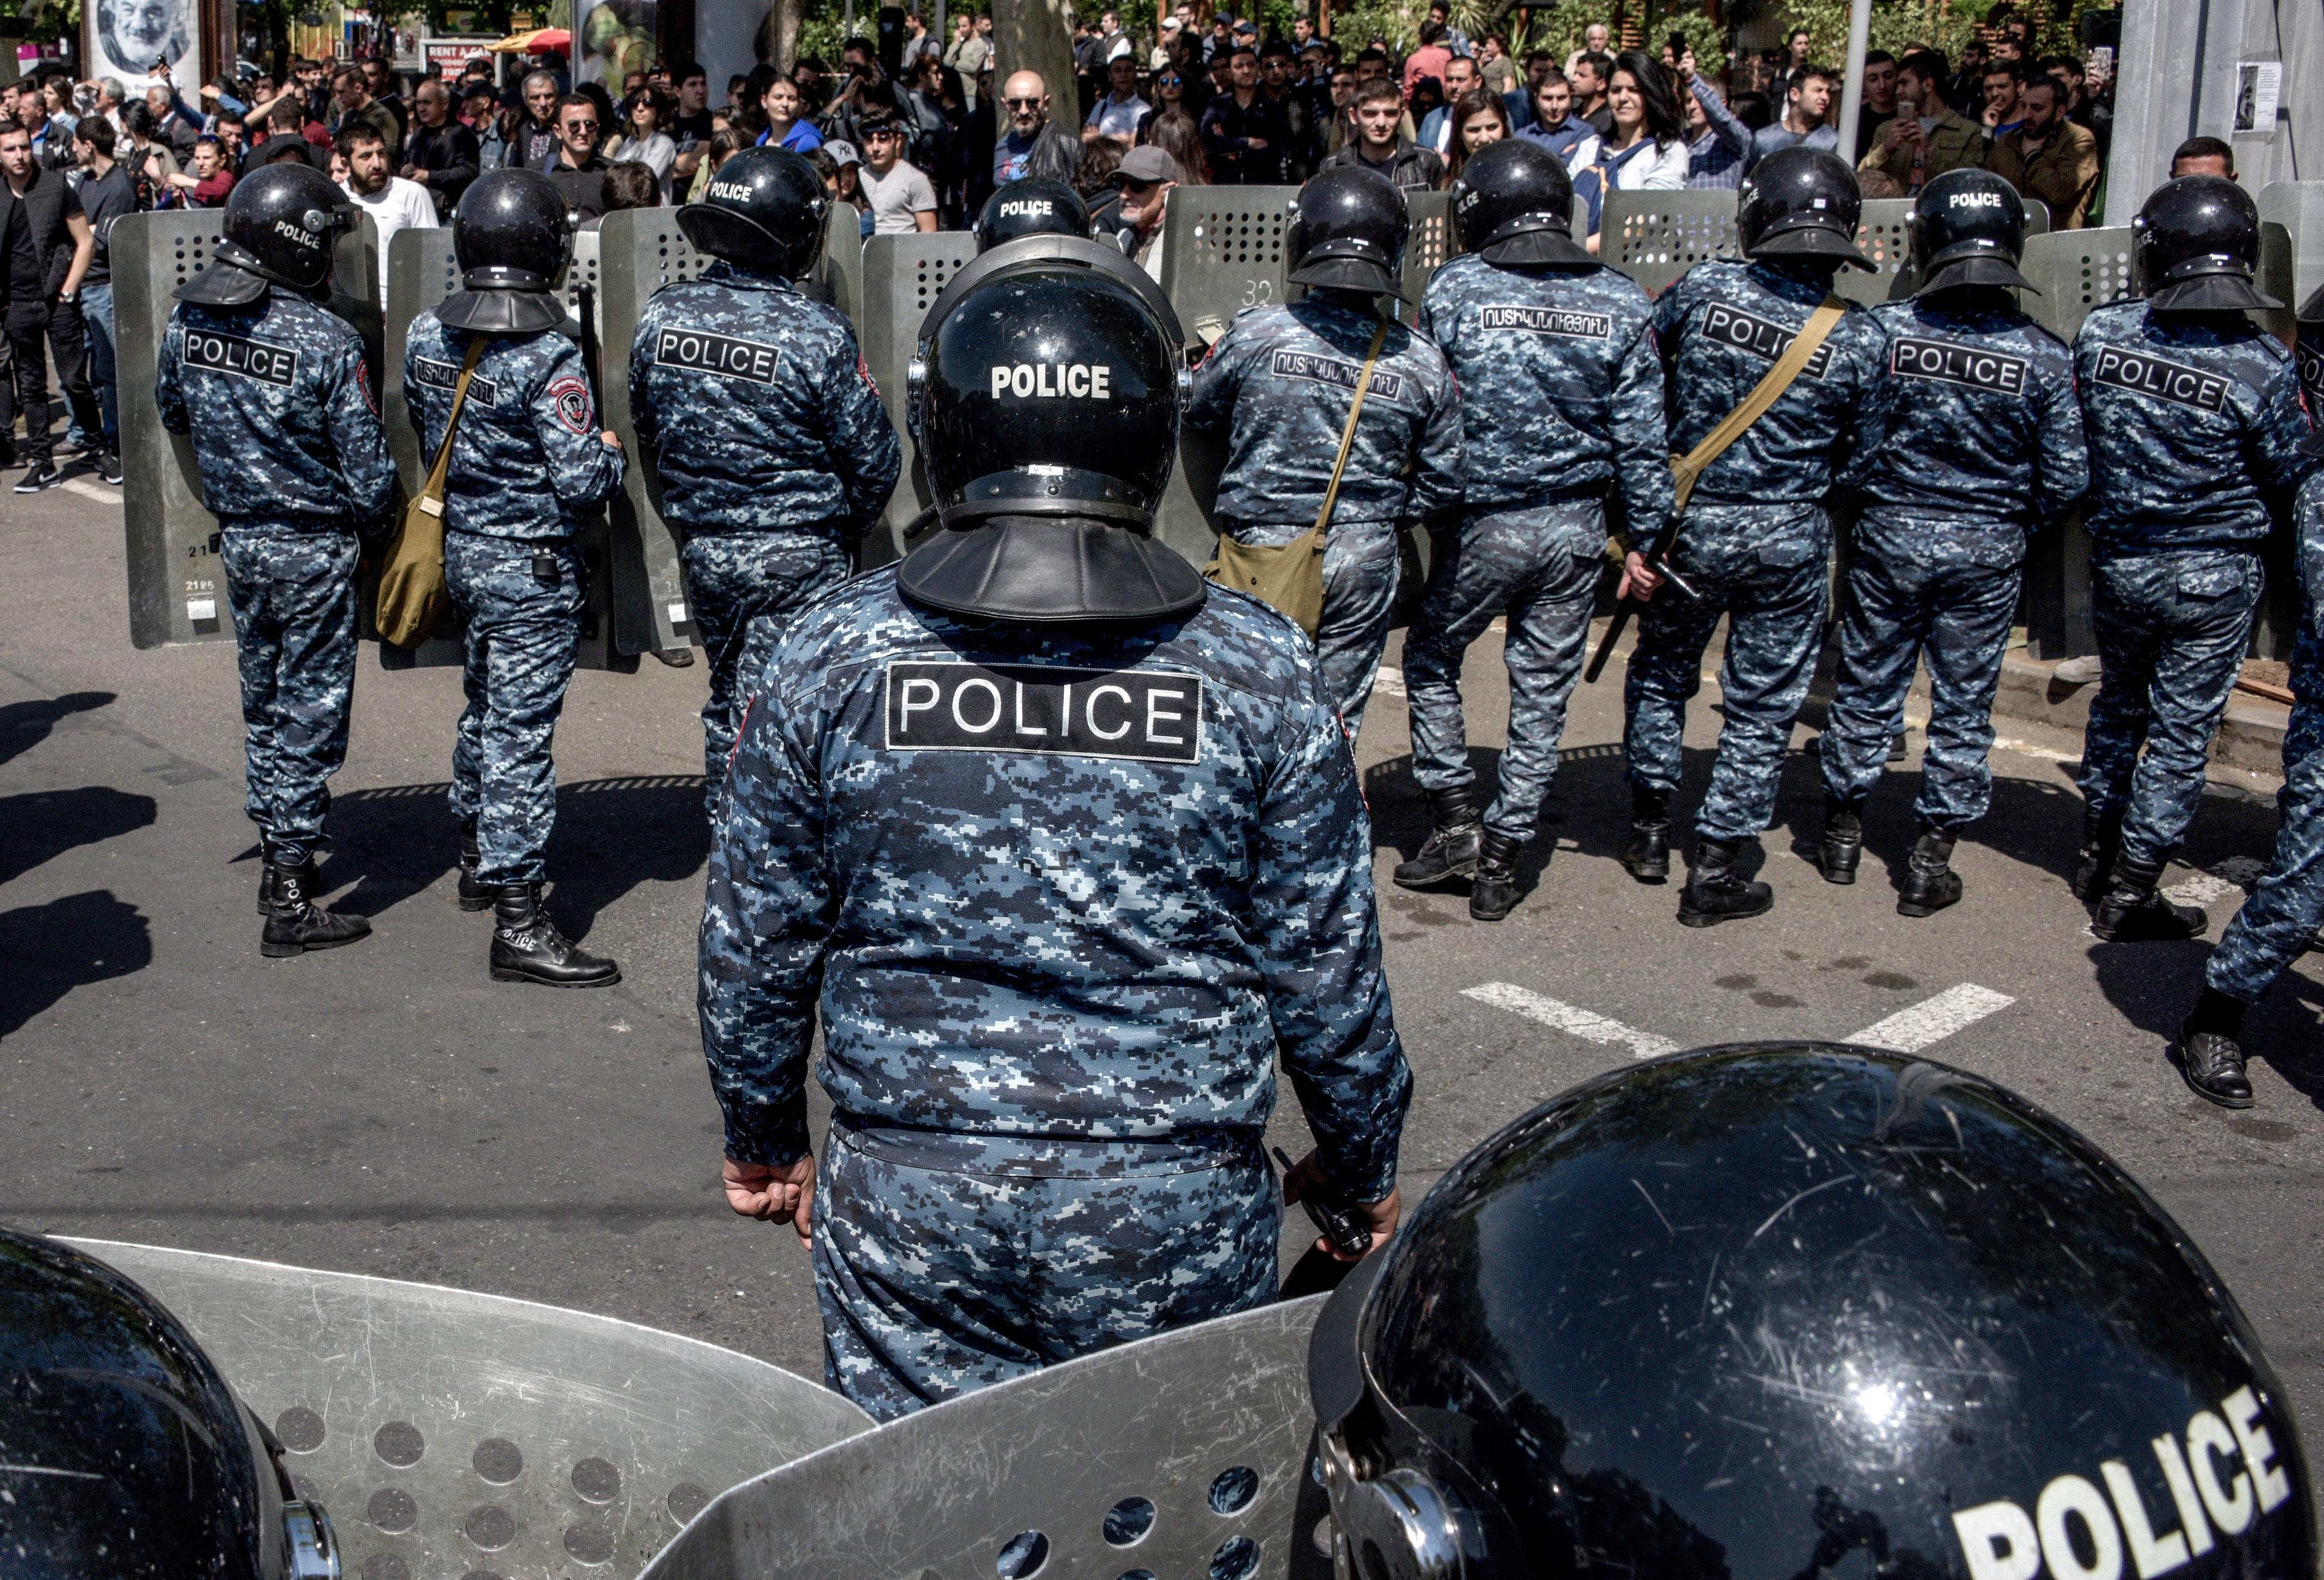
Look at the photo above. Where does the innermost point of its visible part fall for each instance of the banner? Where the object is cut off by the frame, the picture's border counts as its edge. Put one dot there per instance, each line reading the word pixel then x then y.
pixel 127 37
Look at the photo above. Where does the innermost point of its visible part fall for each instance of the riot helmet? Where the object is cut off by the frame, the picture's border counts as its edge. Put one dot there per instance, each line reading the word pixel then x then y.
pixel 763 209
pixel 2196 246
pixel 122 1450
pixel 1800 202
pixel 512 237
pixel 2308 352
pixel 281 223
pixel 1790 1309
pixel 1348 233
pixel 1514 204
pixel 1048 403
pixel 1031 207
pixel 1968 228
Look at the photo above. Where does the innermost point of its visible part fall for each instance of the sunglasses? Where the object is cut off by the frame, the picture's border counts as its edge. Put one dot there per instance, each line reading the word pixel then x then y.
pixel 580 126
pixel 1024 104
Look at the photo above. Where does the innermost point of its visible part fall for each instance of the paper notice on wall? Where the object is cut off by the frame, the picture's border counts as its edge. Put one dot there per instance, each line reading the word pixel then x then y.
pixel 2259 87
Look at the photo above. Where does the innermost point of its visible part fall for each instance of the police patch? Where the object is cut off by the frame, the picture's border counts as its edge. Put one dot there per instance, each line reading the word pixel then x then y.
pixel 432 374
pixel 574 409
pixel 1044 709
pixel 244 359
pixel 1557 321
pixel 1761 338
pixel 2165 380
pixel 722 354
pixel 1331 369
pixel 1947 361
pixel 363 382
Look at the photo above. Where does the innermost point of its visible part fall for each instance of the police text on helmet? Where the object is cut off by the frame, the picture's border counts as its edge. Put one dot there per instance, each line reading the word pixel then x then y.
pixel 1053 381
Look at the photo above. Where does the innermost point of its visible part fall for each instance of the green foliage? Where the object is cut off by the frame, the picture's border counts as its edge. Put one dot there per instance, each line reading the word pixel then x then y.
pixel 60 19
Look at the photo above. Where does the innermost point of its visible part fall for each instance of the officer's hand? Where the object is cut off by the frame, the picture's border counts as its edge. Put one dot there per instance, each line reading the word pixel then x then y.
pixel 1639 578
pixel 610 439
pixel 770 1194
pixel 1308 1175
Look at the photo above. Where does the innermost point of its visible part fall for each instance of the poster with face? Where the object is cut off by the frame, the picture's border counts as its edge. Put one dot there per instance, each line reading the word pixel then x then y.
pixel 126 37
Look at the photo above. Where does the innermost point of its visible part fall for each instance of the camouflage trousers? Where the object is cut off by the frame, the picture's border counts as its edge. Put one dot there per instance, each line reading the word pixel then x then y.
pixel 1766 572
pixel 293 598
pixel 524 634
pixel 1359 572
pixel 934 1282
pixel 1957 616
pixel 1540 563
pixel 732 579
pixel 2172 631
pixel 2284 912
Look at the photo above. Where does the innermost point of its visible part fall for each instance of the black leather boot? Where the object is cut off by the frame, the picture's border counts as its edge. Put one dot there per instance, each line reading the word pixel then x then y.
pixel 295 923
pixel 267 868
pixel 1715 892
pixel 2094 866
pixel 1494 893
pixel 2133 913
pixel 1451 851
pixel 528 947
pixel 2211 1053
pixel 1648 852
pixel 474 894
pixel 1931 884
pixel 1843 841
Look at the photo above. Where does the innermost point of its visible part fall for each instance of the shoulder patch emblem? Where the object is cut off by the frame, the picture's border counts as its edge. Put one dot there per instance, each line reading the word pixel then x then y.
pixel 363 382
pixel 574 409
pixel 863 371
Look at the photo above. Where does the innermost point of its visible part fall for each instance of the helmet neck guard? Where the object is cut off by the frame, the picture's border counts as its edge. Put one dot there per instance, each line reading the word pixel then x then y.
pixel 1049 571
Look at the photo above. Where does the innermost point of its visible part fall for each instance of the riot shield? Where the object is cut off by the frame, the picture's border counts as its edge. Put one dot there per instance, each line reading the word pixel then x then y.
pixel 450 1433
pixel 1654 237
pixel 177 588
pixel 1179 1454
pixel 642 251
pixel 901 275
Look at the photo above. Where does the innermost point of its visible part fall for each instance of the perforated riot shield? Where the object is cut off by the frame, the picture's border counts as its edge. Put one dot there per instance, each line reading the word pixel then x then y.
pixel 450 1433
pixel 177 589
pixel 1176 1456
pixel 902 275
pixel 1654 237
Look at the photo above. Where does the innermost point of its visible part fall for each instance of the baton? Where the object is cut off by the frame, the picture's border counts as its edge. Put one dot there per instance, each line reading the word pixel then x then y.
pixel 1341 1224
pixel 584 304
pixel 1623 608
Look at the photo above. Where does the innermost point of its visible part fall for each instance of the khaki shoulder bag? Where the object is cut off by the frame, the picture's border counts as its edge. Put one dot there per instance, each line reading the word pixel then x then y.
pixel 1686 468
pixel 413 600
pixel 1291 576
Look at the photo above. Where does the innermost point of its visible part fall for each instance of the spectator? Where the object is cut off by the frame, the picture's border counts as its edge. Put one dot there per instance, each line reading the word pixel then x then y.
pixel 1880 106
pixel 481 113
pixel 2048 157
pixel 643 141
pixel 631 183
pixel 2084 109
pixel 1340 110
pixel 441 154
pixel 2003 112
pixel 1094 182
pixel 1589 79
pixel 903 200
pixel 1595 41
pixel 1119 114
pixel 106 194
pixel 532 143
pixel 48 253
pixel 1167 92
pixel 1177 134
pixel 1245 133
pixel 1915 148
pixel 1795 51
pixel 724 145
pixel 918 42
pixel 1025 99
pixel 2203 156
pixel 1646 151
pixel 1552 123
pixel 381 82
pixel 1807 105
pixel 1540 66
pixel 780 101
pixel 1436 129
pixel 1476 118
pixel 1966 92
pixel 394 203
pixel 226 126
pixel 211 178
pixel 1428 61
pixel 150 161
pixel 1718 142
pixel 351 94
pixel 1380 145
pixel 691 127
pixel 579 171
pixel 172 125
pixel 971 51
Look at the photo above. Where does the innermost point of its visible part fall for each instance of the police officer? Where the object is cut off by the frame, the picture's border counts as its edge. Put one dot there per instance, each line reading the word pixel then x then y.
pixel 1805 1312
pixel 529 466
pixel 1013 816
pixel 274 391
pixel 1031 207
pixel 753 407
pixel 2281 917
pixel 1755 541
pixel 2195 437
pixel 1562 405
pixel 1972 439
pixel 1281 381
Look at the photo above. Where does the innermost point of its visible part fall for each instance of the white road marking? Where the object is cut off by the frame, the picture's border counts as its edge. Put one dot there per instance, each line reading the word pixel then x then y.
pixel 1389 680
pixel 1933 1020
pixel 91 490
pixel 1567 1017
pixel 2236 873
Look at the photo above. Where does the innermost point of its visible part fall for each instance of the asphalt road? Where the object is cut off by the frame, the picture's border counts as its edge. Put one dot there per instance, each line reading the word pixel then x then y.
pixel 387 1109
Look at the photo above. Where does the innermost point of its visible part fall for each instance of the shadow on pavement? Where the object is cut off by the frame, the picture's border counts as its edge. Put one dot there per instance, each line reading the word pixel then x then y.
pixel 45 824
pixel 47 951
pixel 25 725
pixel 2037 822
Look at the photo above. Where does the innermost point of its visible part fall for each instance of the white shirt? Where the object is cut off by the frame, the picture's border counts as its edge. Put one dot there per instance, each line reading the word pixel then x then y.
pixel 656 151
pixel 1119 119
pixel 400 205
pixel 1654 169
pixel 895 197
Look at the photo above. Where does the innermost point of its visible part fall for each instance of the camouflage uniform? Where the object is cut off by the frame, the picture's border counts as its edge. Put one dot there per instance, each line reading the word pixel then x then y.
pixel 1053 983
pixel 1281 381
pixel 2195 428
pixel 2284 912
pixel 1972 440
pixel 1561 402
pixel 295 467
pixel 527 470
pixel 772 451
pixel 1756 544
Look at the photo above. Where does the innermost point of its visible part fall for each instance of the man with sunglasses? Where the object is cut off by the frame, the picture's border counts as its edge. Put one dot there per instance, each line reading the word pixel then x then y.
pixel 579 171
pixel 1025 99
pixel 1145 177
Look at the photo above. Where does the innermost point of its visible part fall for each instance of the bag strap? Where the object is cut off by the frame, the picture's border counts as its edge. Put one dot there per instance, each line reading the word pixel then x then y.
pixel 1764 394
pixel 431 496
pixel 1348 434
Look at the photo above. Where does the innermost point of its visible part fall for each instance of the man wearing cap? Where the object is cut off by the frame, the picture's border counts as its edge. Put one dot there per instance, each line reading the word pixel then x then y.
pixel 1145 179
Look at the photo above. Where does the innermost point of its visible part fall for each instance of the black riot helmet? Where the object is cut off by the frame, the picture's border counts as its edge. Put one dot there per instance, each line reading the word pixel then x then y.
pixel 512 236
pixel 1049 401
pixel 122 1450
pixel 282 221
pixel 763 209
pixel 1800 202
pixel 1788 1311
pixel 1514 204
pixel 1349 232
pixel 2196 246
pixel 1968 228
pixel 2307 351
pixel 1031 207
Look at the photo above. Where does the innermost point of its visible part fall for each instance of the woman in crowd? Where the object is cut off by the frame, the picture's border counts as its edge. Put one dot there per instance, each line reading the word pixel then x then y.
pixel 1168 91
pixel 1176 133
pixel 1478 117
pixel 1647 150
pixel 642 139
